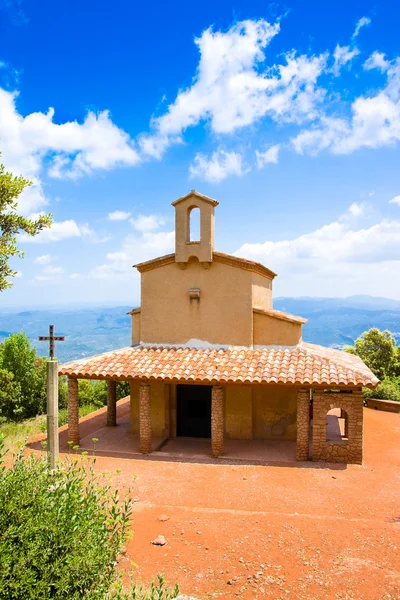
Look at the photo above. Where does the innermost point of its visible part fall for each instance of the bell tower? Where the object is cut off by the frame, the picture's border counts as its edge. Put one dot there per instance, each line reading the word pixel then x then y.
pixel 186 246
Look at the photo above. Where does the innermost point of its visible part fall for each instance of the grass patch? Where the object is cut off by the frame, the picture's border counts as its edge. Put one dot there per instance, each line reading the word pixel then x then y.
pixel 16 434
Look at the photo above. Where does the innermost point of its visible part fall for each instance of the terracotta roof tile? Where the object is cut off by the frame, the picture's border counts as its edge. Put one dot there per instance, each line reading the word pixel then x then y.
pixel 305 364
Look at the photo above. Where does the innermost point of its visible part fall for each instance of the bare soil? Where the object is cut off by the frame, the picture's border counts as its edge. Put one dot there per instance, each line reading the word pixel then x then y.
pixel 305 532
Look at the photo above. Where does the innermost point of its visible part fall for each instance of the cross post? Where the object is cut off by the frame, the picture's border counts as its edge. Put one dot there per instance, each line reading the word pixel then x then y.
pixel 52 397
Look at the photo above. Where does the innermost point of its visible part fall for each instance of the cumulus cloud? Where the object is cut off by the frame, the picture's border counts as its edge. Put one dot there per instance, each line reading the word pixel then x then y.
pixel 34 142
pixel 218 166
pixel 374 122
pixel 147 222
pixel 58 231
pixel 339 253
pixel 44 259
pixel 233 88
pixel 395 200
pixel 134 249
pixel 342 56
pixel 377 60
pixel 363 22
pixel 267 157
pixel 119 215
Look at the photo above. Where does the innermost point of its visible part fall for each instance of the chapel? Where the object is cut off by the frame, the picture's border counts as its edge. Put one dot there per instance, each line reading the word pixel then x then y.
pixel 210 358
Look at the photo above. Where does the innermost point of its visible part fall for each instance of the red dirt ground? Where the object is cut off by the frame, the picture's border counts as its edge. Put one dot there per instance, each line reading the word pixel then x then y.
pixel 306 532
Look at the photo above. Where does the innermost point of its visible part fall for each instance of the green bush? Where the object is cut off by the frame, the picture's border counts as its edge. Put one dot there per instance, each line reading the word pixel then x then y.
pixel 389 389
pixel 61 531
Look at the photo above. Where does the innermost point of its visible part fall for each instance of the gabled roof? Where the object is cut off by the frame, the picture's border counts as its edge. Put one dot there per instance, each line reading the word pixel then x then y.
pixel 197 195
pixel 302 365
pixel 234 261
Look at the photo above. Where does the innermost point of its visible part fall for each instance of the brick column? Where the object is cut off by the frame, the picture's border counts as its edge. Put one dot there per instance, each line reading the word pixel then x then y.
pixel 111 403
pixel 303 424
pixel 73 411
pixel 217 421
pixel 144 418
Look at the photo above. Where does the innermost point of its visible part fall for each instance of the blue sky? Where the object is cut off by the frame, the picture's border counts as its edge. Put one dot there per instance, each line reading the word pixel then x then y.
pixel 288 114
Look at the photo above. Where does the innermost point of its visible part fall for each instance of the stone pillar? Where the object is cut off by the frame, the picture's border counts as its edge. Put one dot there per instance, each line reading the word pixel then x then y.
pixel 144 418
pixel 111 403
pixel 52 412
pixel 73 411
pixel 217 421
pixel 303 424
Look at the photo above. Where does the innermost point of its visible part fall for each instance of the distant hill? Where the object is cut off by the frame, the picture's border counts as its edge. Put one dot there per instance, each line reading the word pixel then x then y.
pixel 331 322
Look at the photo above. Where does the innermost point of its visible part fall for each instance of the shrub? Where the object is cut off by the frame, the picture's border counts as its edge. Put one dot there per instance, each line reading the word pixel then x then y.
pixel 389 389
pixel 61 531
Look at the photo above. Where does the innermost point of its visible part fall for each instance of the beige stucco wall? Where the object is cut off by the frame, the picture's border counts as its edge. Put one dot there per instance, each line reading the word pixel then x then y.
pixel 223 314
pixel 270 330
pixel 274 412
pixel 159 407
pixel 135 328
pixel 261 291
pixel 238 412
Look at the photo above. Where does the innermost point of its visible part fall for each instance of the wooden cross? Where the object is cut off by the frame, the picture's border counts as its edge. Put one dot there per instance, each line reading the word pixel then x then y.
pixel 51 338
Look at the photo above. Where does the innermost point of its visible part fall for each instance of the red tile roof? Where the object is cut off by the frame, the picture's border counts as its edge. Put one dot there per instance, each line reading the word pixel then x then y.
pixel 305 364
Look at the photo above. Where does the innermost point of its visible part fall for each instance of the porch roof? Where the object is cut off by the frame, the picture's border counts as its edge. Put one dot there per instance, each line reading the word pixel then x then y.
pixel 304 364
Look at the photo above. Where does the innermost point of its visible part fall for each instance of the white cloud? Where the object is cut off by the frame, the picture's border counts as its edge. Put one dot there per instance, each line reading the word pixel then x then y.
pixel 58 231
pixel 395 200
pixel 357 209
pixel 134 249
pixel 363 22
pixel 218 166
pixel 377 61
pixel 49 273
pixel 337 254
pixel 44 259
pixel 50 270
pixel 147 223
pixel 267 157
pixel 233 88
pixel 374 122
pixel 31 143
pixel 343 55
pixel 119 215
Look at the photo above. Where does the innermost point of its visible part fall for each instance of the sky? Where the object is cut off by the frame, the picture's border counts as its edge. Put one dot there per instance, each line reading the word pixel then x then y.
pixel 287 113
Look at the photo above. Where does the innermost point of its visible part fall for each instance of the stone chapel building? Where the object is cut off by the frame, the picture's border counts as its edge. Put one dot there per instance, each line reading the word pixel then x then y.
pixel 211 358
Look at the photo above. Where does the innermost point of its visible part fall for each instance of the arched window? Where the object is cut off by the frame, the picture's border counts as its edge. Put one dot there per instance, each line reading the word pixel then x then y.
pixel 194 224
pixel 337 425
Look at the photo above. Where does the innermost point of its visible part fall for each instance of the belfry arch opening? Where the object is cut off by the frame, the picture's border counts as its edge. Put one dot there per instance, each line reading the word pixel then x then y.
pixel 193 224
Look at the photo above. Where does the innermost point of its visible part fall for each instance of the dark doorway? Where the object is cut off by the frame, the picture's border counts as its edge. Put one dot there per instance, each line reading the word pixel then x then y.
pixel 193 410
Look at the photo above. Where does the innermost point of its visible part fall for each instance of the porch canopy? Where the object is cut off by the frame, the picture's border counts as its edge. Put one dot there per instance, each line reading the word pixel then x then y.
pixel 305 367
pixel 304 364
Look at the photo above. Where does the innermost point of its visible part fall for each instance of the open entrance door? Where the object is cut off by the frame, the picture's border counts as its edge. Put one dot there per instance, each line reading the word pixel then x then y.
pixel 193 411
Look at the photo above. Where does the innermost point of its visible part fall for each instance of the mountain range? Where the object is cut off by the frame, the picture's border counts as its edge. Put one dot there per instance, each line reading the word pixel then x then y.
pixel 334 322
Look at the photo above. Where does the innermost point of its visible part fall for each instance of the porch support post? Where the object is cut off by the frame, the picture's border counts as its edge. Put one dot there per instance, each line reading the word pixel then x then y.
pixel 73 411
pixel 111 403
pixel 144 418
pixel 217 421
pixel 303 424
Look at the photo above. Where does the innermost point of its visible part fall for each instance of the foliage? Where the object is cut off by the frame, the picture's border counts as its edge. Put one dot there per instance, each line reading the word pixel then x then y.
pixel 12 223
pixel 379 352
pixel 389 389
pixel 29 376
pixel 157 591
pixel 10 394
pixel 61 531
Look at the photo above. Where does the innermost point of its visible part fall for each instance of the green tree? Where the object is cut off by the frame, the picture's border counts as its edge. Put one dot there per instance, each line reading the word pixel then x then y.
pixel 28 370
pixel 10 395
pixel 12 223
pixel 378 350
